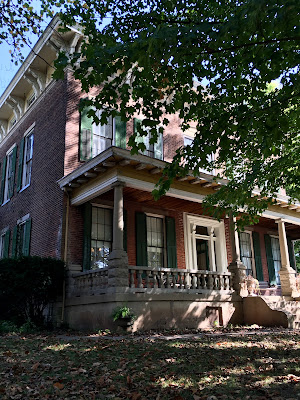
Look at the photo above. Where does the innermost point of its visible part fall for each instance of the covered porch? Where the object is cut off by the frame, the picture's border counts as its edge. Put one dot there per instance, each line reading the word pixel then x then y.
pixel 198 268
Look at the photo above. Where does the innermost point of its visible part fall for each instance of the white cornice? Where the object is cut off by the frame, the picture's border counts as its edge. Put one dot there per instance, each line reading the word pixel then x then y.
pixel 29 59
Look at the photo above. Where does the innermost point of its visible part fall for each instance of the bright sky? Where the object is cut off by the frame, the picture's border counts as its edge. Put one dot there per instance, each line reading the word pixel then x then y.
pixel 8 68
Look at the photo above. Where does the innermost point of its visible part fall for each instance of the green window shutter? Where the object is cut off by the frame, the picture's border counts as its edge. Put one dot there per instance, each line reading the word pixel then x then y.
pixel 6 244
pixel 158 147
pixel 13 170
pixel 257 256
pixel 87 227
pixel 120 132
pixel 291 252
pixel 270 261
pixel 86 136
pixel 26 245
pixel 3 180
pixel 125 230
pixel 141 240
pixel 171 243
pixel 20 165
pixel 14 242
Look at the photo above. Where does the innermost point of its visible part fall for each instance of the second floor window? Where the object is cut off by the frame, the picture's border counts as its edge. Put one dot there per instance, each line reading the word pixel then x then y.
pixel 25 161
pixel 152 150
pixel 188 141
pixel 8 175
pixel 94 139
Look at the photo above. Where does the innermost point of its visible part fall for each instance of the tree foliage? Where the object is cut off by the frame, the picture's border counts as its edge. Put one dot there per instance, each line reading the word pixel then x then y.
pixel 211 63
pixel 20 19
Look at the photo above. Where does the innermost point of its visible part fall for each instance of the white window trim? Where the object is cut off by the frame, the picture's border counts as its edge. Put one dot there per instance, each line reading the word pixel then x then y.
pixel 23 219
pixel 253 266
pixel 150 148
pixel 29 129
pixel 165 258
pixel 9 151
pixel 28 132
pixel 189 241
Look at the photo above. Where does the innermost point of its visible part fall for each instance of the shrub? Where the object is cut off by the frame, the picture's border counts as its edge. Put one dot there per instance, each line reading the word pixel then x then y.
pixel 8 327
pixel 27 286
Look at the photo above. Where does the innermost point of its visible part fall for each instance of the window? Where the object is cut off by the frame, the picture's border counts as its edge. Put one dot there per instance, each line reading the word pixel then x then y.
pixel 25 161
pixel 8 175
pixel 94 139
pixel 205 245
pixel 155 241
pixel 246 249
pixel 21 237
pixel 12 122
pixel 152 150
pixel 4 243
pixel 273 258
pixel 31 99
pixel 276 257
pixel 188 141
pixel 101 237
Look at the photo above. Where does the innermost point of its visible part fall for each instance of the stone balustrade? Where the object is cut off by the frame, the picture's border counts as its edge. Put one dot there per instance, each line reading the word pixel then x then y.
pixel 91 282
pixel 173 278
pixel 95 282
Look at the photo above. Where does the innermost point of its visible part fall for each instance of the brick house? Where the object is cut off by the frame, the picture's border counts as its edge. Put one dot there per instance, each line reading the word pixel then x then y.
pixel 71 189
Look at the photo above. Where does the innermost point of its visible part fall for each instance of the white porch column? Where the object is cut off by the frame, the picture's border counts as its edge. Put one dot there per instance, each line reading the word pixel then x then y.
pixel 236 267
pixel 287 273
pixel 118 260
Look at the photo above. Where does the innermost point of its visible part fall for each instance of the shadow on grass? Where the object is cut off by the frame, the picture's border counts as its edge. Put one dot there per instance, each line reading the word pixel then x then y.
pixel 260 367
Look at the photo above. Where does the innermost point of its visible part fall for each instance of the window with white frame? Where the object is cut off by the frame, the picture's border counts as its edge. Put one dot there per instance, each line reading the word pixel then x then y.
pixel 7 185
pixel 94 139
pixel 155 241
pixel 27 160
pixel 205 245
pixel 31 99
pixel 188 141
pixel 154 150
pixel 276 257
pixel 246 249
pixel 101 237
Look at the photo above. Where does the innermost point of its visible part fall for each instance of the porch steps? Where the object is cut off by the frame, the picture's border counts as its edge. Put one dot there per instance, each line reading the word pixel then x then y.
pixel 266 290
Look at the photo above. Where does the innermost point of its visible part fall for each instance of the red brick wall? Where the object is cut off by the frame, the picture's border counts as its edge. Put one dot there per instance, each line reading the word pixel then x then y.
pixel 43 199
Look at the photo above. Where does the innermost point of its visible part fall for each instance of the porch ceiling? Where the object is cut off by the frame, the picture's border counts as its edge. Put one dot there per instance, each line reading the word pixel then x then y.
pixel 292 230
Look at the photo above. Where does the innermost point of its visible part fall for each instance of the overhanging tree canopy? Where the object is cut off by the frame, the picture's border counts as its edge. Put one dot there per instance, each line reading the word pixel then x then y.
pixel 211 63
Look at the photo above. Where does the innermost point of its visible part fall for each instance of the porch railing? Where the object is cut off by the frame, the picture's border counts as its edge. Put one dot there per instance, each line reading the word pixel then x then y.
pixel 173 278
pixel 90 282
pixel 95 282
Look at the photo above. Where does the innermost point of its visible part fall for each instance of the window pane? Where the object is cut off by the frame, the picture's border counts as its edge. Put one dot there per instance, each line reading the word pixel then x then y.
pixel 201 230
pixel 246 252
pixel 101 236
pixel 155 241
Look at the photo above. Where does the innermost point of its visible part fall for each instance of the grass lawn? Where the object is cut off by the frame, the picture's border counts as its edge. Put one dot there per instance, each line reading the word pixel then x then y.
pixel 209 366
